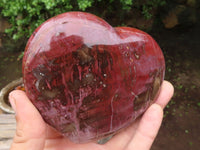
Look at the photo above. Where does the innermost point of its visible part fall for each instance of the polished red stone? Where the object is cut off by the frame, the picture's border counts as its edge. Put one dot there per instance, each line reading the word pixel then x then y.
pixel 88 79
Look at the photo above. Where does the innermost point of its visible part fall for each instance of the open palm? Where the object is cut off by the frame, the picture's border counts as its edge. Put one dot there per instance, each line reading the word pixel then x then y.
pixel 33 133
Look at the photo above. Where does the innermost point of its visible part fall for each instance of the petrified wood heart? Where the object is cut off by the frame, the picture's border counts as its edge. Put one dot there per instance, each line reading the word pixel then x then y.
pixel 88 79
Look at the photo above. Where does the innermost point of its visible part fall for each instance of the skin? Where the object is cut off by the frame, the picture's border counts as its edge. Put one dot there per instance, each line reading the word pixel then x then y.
pixel 33 133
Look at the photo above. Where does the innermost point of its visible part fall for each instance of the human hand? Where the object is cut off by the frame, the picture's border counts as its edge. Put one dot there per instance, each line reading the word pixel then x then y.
pixel 33 133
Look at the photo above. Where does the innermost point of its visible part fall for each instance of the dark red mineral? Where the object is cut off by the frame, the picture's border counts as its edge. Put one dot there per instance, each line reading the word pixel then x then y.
pixel 88 79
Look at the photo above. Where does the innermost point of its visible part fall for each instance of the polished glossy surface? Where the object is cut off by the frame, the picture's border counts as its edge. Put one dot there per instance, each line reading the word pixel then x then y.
pixel 88 79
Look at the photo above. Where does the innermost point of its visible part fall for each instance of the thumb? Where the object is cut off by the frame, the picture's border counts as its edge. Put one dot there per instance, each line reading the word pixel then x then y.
pixel 30 132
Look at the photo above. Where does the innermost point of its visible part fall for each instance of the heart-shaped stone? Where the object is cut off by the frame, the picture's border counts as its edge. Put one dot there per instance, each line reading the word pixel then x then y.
pixel 88 79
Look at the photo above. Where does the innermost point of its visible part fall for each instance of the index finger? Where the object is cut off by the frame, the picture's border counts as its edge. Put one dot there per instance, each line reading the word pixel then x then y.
pixel 166 93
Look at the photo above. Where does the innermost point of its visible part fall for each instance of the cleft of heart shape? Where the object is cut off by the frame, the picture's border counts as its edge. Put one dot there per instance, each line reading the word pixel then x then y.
pixel 88 79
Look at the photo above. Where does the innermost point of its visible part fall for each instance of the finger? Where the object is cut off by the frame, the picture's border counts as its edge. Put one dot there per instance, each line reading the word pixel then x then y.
pixel 120 140
pixel 52 133
pixel 147 129
pixel 166 93
pixel 30 132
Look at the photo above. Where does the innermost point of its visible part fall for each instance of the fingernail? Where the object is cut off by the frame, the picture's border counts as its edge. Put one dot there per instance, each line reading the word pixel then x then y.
pixel 12 102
